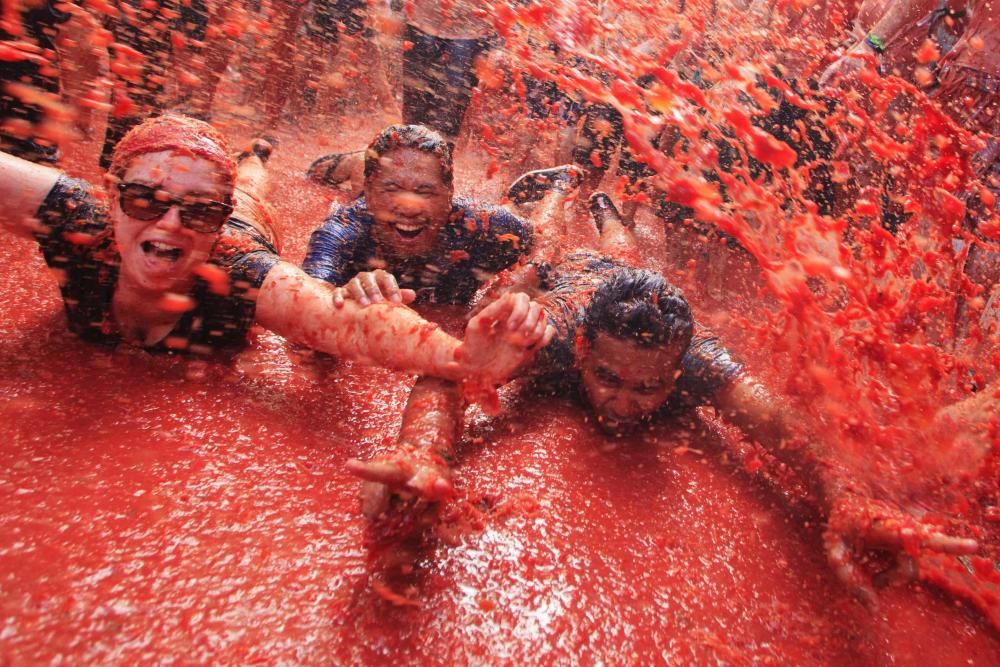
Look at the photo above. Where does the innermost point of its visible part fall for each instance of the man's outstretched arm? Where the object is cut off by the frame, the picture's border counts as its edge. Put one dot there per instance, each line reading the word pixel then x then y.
pixel 419 463
pixel 432 423
pixel 855 519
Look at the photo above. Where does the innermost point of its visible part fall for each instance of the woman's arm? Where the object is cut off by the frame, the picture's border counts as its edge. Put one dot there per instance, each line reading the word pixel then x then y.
pixel 304 310
pixel 23 187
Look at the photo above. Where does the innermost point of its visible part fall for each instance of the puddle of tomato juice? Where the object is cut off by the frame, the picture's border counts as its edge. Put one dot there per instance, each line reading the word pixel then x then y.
pixel 157 509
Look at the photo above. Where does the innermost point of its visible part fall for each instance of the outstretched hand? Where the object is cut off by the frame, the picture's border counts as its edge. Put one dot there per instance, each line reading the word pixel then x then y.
pixel 400 473
pixel 502 337
pixel 858 522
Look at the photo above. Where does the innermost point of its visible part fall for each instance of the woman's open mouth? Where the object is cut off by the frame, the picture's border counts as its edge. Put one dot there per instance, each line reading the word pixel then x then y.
pixel 161 253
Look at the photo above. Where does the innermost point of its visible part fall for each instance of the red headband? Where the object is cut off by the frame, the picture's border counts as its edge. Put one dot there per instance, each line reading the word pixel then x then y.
pixel 178 134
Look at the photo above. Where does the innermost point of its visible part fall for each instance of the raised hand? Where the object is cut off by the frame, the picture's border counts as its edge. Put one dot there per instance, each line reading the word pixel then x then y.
pixel 404 471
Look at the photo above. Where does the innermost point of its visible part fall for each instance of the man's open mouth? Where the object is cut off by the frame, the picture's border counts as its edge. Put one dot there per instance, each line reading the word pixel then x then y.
pixel 616 425
pixel 162 252
pixel 408 230
pixel 609 422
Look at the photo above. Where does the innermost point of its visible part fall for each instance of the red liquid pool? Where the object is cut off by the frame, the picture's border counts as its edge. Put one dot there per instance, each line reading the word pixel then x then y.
pixel 155 511
pixel 158 510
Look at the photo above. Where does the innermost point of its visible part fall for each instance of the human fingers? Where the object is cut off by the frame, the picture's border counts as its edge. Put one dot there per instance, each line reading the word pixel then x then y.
pixel 338 297
pixel 408 296
pixel 520 307
pixel 530 322
pixel 841 559
pixel 386 472
pixel 938 541
pixel 387 286
pixel 431 483
pixel 374 499
pixel 536 337
pixel 357 291
pixel 494 312
pixel 550 332
pixel 895 533
pixel 541 330
pixel 370 282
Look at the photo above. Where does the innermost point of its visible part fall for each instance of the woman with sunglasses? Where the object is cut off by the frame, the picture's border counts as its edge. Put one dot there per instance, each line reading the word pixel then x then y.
pixel 183 257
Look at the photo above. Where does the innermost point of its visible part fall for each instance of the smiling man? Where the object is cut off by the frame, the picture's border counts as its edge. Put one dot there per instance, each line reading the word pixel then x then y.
pixel 627 346
pixel 408 222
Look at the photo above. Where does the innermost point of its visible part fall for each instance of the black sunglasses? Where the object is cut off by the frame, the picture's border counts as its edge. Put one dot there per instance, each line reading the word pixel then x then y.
pixel 144 202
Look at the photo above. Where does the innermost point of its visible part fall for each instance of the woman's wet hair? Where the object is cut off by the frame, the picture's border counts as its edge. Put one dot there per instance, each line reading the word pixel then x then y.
pixel 176 133
pixel 641 306
pixel 416 137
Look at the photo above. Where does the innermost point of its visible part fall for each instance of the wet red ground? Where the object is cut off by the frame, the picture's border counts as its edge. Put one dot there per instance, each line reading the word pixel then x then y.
pixel 155 510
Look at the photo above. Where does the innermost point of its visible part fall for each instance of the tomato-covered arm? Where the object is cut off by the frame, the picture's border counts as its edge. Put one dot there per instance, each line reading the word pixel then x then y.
pixel 303 310
pixel 419 462
pixel 747 403
pixel 855 519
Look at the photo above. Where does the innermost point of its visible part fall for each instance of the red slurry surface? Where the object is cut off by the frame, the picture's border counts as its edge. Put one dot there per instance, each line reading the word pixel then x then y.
pixel 152 510
pixel 157 510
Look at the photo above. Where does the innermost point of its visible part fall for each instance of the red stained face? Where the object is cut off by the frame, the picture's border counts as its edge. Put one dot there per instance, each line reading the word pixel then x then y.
pixel 161 254
pixel 410 201
pixel 624 382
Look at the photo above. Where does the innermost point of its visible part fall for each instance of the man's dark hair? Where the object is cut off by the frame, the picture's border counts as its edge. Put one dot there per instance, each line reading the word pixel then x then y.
pixel 640 305
pixel 417 137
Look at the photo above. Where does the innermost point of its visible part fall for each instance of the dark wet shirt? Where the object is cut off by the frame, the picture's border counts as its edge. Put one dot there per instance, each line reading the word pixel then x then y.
pixel 75 236
pixel 477 242
pixel 568 288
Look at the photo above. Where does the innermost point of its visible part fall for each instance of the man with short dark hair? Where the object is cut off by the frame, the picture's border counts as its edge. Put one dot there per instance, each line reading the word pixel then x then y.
pixel 407 232
pixel 625 342
pixel 626 345
pixel 409 224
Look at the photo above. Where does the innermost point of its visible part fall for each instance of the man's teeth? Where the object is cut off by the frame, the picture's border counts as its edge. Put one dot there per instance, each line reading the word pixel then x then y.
pixel 408 230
